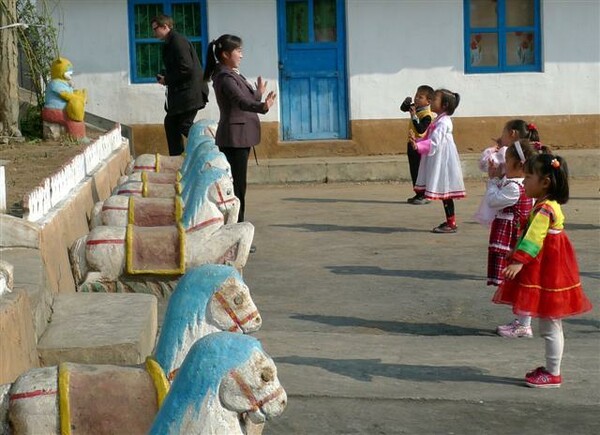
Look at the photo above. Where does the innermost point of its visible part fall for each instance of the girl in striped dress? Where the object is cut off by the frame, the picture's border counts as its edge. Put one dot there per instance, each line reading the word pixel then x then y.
pixel 542 278
pixel 506 196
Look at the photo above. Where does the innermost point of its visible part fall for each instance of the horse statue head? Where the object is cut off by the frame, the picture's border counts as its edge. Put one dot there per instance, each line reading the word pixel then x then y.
pixel 212 186
pixel 203 160
pixel 201 129
pixel 223 377
pixel 201 145
pixel 207 299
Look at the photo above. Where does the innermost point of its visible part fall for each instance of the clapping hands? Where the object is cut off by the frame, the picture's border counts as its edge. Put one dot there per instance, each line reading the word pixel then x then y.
pixel 261 87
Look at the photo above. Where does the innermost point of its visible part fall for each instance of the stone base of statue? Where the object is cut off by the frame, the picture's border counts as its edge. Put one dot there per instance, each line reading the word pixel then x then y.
pixel 53 131
pixel 56 124
pixel 161 287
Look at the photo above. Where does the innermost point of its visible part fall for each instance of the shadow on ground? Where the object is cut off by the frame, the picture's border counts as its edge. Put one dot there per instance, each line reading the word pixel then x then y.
pixel 365 369
pixel 316 228
pixel 409 273
pixel 428 329
pixel 335 200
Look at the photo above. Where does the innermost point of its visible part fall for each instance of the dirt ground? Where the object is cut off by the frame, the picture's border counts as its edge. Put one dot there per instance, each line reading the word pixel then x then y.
pixel 30 162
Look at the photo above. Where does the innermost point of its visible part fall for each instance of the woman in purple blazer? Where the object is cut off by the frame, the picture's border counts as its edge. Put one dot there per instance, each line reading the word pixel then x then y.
pixel 239 102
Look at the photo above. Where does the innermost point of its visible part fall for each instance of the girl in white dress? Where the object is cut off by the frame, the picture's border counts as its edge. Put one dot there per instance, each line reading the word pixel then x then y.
pixel 440 174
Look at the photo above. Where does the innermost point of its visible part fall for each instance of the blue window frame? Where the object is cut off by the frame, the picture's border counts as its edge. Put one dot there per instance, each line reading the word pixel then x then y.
pixel 502 36
pixel 145 51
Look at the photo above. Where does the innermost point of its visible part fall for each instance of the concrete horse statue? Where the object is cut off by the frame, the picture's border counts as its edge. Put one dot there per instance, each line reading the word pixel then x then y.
pixel 205 154
pixel 160 163
pixel 163 185
pixel 201 237
pixel 212 185
pixel 213 391
pixel 207 299
pixel 239 378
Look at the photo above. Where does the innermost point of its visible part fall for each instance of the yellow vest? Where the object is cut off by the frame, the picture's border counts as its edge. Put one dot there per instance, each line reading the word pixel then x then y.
pixel 426 111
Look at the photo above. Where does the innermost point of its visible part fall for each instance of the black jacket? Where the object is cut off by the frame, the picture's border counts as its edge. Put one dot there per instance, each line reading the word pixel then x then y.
pixel 239 104
pixel 186 90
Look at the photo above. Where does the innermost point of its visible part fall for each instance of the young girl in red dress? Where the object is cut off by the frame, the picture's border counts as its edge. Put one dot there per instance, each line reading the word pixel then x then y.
pixel 542 279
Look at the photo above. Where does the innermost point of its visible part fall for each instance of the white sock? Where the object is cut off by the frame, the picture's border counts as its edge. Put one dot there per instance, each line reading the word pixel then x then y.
pixel 554 340
pixel 524 320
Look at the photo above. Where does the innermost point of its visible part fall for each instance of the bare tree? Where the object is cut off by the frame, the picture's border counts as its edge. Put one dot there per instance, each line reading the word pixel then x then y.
pixel 9 89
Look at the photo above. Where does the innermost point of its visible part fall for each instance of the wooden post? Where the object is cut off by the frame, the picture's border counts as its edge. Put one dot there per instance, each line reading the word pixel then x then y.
pixel 9 89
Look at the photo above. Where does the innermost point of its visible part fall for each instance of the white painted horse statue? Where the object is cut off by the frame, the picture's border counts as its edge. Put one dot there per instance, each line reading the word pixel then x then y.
pixel 211 186
pixel 238 378
pixel 207 299
pixel 226 385
pixel 160 163
pixel 205 154
pixel 204 158
pixel 202 237
pixel 168 185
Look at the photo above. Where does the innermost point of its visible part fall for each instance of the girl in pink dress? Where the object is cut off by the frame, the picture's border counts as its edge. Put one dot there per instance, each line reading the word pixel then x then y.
pixel 440 174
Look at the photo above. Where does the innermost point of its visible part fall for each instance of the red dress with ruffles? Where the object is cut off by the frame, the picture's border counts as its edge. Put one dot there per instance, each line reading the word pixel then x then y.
pixel 548 285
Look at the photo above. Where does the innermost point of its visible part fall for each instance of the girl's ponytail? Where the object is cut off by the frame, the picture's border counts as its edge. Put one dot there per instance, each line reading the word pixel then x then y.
pixel 223 44
pixel 211 61
pixel 532 133
pixel 560 179
pixel 555 168
pixel 450 100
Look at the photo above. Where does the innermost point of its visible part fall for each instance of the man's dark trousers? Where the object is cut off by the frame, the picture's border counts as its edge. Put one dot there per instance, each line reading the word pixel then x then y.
pixel 176 126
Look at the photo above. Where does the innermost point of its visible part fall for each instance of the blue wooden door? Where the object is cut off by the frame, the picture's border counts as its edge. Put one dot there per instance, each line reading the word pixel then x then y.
pixel 312 69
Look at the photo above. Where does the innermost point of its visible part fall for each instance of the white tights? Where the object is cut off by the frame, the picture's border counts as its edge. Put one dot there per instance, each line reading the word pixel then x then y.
pixel 552 332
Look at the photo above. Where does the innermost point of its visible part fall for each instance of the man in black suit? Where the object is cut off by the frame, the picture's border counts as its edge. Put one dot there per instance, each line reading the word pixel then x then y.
pixel 187 92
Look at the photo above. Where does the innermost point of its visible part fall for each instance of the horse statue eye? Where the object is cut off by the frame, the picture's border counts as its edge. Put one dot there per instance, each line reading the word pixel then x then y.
pixel 228 191
pixel 266 375
pixel 238 300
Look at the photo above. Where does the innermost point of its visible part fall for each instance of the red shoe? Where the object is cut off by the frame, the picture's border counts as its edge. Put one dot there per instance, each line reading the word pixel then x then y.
pixel 534 372
pixel 542 379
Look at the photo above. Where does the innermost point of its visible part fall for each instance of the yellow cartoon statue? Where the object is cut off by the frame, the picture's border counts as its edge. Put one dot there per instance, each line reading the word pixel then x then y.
pixel 63 105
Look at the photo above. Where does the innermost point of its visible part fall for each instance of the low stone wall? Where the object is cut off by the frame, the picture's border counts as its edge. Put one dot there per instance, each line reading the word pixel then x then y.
pixel 387 137
pixel 17 336
pixel 57 213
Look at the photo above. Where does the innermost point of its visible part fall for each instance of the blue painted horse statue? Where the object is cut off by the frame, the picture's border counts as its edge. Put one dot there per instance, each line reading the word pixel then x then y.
pixel 207 299
pixel 237 378
pixel 210 298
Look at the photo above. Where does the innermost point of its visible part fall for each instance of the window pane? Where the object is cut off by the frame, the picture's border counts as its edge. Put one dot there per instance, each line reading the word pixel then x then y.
pixel 325 20
pixel 198 47
pixel 519 48
pixel 143 15
pixel 186 18
pixel 296 15
pixel 483 13
pixel 519 13
pixel 149 60
pixel 484 49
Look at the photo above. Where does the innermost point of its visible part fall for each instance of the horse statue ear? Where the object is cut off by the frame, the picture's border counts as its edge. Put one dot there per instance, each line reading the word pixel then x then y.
pixel 229 285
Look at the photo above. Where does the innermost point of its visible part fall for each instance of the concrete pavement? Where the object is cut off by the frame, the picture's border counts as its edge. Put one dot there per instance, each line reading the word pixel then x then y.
pixel 379 326
pixel 582 163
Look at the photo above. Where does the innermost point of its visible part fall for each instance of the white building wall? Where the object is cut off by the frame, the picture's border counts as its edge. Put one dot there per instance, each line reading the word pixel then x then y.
pixel 387 58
